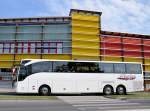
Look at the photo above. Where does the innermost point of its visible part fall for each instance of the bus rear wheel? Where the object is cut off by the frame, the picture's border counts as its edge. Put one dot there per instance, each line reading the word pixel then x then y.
pixel 44 90
pixel 121 90
pixel 108 90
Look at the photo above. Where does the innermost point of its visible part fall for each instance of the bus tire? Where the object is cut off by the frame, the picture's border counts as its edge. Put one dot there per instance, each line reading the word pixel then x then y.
pixel 44 90
pixel 121 90
pixel 108 90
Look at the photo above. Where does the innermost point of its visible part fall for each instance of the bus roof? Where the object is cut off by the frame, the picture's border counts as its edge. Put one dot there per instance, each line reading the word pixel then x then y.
pixel 40 60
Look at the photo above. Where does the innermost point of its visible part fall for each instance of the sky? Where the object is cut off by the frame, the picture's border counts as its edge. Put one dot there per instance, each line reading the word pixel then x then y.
pixel 131 16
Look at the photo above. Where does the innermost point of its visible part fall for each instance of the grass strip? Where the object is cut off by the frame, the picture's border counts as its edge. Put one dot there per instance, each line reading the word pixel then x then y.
pixel 14 97
pixel 135 95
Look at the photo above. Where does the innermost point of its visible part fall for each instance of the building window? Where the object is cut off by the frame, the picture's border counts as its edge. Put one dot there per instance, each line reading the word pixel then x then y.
pixel 1 48
pixel 46 48
pixel 38 48
pixel 59 48
pixel 12 48
pixel 32 48
pixel 53 48
pixel 6 48
pixel 5 70
pixel 147 86
pixel 20 46
pixel 25 48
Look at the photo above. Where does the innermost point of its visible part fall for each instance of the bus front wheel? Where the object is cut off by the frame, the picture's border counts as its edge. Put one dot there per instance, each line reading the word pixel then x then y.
pixel 44 90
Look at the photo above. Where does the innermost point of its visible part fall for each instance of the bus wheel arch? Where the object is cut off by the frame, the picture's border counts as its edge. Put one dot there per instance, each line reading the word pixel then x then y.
pixel 108 89
pixel 121 89
pixel 44 90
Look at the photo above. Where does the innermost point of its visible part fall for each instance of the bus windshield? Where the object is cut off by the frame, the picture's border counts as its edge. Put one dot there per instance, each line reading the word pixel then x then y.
pixel 22 73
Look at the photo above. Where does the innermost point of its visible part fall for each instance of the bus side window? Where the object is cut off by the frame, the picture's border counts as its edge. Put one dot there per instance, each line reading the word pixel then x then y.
pixel 60 66
pixel 85 67
pixel 107 67
pixel 72 66
pixel 101 69
pixel 41 67
pixel 29 69
pixel 133 69
pixel 119 68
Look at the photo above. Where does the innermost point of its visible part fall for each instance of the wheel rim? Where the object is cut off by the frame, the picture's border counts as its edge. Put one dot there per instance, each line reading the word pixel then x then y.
pixel 121 90
pixel 44 91
pixel 108 91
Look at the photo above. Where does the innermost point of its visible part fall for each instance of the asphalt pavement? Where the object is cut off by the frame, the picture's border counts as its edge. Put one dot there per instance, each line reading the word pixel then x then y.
pixel 6 87
pixel 35 105
pixel 5 84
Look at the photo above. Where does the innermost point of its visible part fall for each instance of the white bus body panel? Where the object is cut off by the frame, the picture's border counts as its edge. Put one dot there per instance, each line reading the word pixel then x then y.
pixel 77 82
pixel 22 86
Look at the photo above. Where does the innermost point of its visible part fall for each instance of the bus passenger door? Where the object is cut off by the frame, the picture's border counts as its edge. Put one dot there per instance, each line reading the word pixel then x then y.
pixel 32 85
pixel 22 86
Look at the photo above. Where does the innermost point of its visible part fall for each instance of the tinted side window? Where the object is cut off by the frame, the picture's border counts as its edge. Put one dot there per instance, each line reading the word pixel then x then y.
pixel 80 67
pixel 87 67
pixel 119 68
pixel 60 66
pixel 107 67
pixel 41 67
pixel 133 69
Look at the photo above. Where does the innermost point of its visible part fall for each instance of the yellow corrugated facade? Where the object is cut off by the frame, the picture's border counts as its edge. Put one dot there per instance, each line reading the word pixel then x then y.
pixel 133 60
pixel 147 61
pixel 85 35
pixel 147 64
pixel 57 57
pixel 6 64
pixel 110 58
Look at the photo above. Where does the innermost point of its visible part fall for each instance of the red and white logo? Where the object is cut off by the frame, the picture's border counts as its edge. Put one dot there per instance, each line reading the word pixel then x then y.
pixel 127 77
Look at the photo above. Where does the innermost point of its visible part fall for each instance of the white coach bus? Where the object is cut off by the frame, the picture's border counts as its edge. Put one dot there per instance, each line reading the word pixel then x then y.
pixel 72 76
